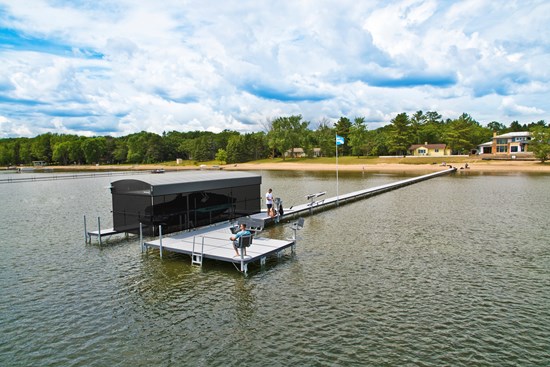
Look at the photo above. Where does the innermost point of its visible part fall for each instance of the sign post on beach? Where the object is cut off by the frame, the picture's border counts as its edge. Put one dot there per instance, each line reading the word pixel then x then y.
pixel 339 141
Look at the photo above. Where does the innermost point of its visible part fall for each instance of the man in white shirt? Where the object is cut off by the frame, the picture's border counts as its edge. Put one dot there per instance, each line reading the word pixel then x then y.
pixel 269 200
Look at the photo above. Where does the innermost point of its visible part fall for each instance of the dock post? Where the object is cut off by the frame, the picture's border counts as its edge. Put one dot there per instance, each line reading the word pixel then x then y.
pixel 85 232
pixel 160 240
pixel 141 236
pixel 99 230
pixel 242 259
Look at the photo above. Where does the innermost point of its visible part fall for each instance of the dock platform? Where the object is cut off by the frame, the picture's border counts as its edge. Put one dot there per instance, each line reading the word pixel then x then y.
pixel 214 243
pixel 100 234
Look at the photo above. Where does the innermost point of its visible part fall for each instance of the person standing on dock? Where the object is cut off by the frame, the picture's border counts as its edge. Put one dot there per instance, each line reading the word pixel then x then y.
pixel 269 200
pixel 235 238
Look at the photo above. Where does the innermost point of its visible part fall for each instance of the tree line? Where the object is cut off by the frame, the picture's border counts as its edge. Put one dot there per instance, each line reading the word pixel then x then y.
pixel 279 139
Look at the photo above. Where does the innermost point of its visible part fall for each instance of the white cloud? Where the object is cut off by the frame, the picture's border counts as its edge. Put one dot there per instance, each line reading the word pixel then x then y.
pixel 511 108
pixel 126 66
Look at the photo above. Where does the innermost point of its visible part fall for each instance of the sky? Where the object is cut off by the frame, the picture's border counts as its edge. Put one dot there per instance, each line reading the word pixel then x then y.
pixel 117 67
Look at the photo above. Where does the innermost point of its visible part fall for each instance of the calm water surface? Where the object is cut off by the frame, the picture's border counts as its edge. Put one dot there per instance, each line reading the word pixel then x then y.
pixel 452 271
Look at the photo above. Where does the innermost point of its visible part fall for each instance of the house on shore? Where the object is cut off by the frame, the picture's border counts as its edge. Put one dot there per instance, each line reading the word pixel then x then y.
pixel 507 144
pixel 432 150
pixel 300 153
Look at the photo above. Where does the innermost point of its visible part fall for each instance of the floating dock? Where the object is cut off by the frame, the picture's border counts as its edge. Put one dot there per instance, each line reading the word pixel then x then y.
pixel 214 243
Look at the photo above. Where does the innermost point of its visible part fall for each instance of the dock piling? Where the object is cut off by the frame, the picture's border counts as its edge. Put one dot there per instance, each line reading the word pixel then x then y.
pixel 99 230
pixel 141 236
pixel 160 240
pixel 85 232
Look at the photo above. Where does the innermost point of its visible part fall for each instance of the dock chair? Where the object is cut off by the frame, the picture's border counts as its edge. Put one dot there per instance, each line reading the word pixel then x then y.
pixel 243 242
pixel 296 226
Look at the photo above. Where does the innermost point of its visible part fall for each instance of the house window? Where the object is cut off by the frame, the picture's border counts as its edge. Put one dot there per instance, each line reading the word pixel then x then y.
pixel 422 151
pixel 502 149
pixel 502 141
pixel 514 149
pixel 436 150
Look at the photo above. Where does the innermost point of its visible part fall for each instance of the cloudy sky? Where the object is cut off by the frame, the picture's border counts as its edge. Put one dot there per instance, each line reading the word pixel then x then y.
pixel 115 67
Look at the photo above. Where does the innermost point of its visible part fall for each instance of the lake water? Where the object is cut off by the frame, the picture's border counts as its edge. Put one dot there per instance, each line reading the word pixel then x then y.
pixel 453 271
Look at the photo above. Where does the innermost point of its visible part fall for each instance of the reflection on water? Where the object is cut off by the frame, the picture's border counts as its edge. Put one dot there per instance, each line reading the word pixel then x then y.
pixel 450 271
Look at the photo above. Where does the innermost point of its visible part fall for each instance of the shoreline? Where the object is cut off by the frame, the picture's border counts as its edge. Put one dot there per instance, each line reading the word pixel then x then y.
pixel 489 166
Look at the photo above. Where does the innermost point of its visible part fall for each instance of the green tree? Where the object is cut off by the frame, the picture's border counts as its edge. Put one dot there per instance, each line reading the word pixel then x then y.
pixel 185 148
pixel 515 126
pixel 357 135
pixel 236 149
pixel 418 120
pixel 93 149
pixel 61 152
pixel 535 124
pixel 377 141
pixel 399 139
pixel 76 154
pixel 464 133
pixel 256 144
pixel 6 155
pixel 203 148
pixel 286 133
pixel 136 148
pixel 540 142
pixel 120 152
pixel 41 149
pixel 496 126
pixel 323 138
pixel 221 156
pixel 431 129
pixel 155 149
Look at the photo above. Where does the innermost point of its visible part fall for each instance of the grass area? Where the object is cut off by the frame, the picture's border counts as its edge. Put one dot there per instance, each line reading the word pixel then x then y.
pixel 371 160
pixel 346 160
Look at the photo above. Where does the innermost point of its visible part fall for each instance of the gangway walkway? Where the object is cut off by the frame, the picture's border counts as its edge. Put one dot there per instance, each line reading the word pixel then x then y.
pixel 323 203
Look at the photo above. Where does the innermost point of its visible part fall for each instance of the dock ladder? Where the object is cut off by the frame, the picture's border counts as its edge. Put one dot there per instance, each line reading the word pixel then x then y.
pixel 196 257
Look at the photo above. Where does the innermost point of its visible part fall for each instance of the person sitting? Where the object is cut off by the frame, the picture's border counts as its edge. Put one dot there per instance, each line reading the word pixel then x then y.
pixel 271 212
pixel 236 243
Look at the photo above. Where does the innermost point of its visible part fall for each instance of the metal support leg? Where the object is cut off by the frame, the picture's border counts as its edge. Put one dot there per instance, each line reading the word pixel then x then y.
pixel 141 236
pixel 160 240
pixel 85 232
pixel 262 261
pixel 242 259
pixel 99 230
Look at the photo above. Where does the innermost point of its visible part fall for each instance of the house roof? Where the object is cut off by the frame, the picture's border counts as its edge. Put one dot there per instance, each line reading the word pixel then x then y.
pixel 295 150
pixel 428 146
pixel 183 182
pixel 514 134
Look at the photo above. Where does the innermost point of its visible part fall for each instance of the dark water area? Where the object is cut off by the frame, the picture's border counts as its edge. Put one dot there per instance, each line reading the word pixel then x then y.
pixel 453 271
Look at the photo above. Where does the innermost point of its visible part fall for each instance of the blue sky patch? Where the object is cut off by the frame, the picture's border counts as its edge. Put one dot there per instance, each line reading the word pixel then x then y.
pixel 11 39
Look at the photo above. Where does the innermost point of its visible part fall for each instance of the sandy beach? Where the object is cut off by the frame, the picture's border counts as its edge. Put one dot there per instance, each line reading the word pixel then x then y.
pixel 480 166
pixel 500 166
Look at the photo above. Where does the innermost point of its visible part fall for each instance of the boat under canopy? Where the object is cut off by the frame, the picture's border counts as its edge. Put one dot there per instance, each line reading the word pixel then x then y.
pixel 183 200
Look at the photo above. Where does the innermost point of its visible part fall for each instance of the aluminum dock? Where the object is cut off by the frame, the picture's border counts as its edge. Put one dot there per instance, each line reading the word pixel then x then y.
pixel 213 242
pixel 317 201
